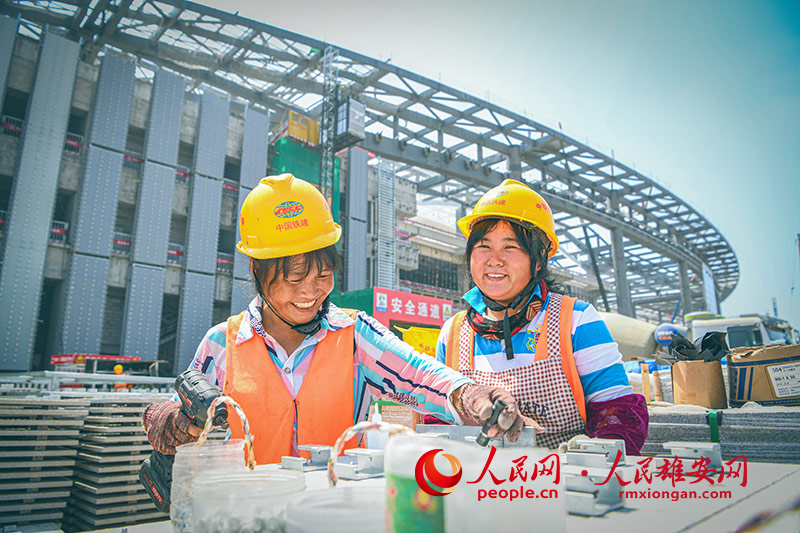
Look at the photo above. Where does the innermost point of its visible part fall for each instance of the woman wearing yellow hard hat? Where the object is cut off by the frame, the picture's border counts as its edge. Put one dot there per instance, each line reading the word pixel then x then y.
pixel 552 352
pixel 302 369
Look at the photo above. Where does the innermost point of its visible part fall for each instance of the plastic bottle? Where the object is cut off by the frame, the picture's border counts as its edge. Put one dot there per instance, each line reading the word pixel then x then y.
pixel 408 507
pixel 376 440
pixel 476 504
pixel 193 462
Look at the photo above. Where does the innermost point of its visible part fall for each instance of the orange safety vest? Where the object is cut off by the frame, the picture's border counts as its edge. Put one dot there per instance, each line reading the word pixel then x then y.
pixel 565 344
pixel 323 408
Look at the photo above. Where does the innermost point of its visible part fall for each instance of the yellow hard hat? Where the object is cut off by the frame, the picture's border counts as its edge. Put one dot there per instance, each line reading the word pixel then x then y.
pixel 515 201
pixel 285 216
pixel 118 369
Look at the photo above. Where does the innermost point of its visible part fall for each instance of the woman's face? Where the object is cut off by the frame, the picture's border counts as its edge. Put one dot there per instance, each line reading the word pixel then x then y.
pixel 297 296
pixel 498 265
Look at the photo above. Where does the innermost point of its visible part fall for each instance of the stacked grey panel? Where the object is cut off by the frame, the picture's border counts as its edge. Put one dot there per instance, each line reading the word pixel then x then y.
pixel 112 104
pixel 241 293
pixel 143 305
pixel 164 125
pixel 386 255
pixel 94 231
pixel 241 263
pixel 8 33
pixel 203 231
pixel 34 192
pixel 106 491
pixel 153 214
pixel 768 435
pixel 254 147
pixel 195 317
pixel 85 304
pixel 212 136
pixel 38 446
pixel 356 236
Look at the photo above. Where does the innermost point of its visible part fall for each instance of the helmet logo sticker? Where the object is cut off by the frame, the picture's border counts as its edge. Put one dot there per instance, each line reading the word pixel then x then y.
pixel 288 210
pixel 495 199
pixel 543 206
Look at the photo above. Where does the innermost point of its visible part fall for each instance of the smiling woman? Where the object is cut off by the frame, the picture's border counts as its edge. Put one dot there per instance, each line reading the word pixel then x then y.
pixel 552 352
pixel 302 369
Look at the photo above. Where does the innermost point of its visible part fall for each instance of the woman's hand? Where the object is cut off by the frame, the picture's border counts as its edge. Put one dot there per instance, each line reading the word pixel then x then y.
pixel 477 402
pixel 167 427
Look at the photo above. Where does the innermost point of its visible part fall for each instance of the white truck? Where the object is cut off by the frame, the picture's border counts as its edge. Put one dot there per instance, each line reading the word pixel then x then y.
pixel 748 330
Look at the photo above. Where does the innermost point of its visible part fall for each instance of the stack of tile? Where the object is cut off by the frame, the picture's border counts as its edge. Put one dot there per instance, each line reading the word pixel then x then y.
pixel 760 434
pixel 107 492
pixel 38 446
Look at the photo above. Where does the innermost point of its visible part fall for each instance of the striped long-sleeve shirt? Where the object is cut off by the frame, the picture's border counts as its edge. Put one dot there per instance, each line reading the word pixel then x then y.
pixel 597 356
pixel 384 366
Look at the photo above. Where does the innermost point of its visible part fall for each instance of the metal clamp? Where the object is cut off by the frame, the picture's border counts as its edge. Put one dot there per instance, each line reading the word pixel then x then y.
pixel 368 464
pixel 597 453
pixel 319 459
pixel 586 493
pixel 697 450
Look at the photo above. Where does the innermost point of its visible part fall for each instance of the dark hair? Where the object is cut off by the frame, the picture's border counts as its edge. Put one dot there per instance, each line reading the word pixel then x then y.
pixel 531 239
pixel 324 259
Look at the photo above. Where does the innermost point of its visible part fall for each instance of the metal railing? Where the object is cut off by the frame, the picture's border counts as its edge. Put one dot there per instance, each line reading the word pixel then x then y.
pixel 224 263
pixel 230 188
pixel 121 244
pixel 182 174
pixel 132 159
pixel 11 126
pixel 56 381
pixel 59 231
pixel 73 144
pixel 175 254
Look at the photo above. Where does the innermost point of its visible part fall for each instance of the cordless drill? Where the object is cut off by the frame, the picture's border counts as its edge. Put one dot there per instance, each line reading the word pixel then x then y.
pixel 196 395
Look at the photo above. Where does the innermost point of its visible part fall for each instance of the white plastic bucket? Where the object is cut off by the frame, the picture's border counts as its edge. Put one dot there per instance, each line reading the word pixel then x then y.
pixel 244 501
pixel 351 509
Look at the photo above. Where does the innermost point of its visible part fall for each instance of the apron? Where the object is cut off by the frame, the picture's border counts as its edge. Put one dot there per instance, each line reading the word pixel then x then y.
pixel 541 388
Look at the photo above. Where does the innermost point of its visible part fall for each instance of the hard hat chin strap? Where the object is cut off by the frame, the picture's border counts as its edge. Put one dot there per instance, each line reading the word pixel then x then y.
pixel 497 306
pixel 525 294
pixel 308 328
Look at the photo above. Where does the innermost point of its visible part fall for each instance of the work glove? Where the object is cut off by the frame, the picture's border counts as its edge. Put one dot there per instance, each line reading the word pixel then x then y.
pixel 167 427
pixel 572 444
pixel 477 402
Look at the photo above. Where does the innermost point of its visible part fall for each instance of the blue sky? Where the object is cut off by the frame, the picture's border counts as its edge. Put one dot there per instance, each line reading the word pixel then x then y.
pixel 702 96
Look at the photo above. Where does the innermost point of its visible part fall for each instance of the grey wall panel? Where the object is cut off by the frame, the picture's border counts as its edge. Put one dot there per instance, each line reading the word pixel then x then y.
pixel 164 124
pixel 8 32
pixel 241 293
pixel 97 212
pixel 241 263
pixel 32 200
pixel 203 230
pixel 356 238
pixel 212 136
pixel 196 315
pixel 357 184
pixel 153 213
pixel 254 147
pixel 81 329
pixel 141 326
pixel 112 103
